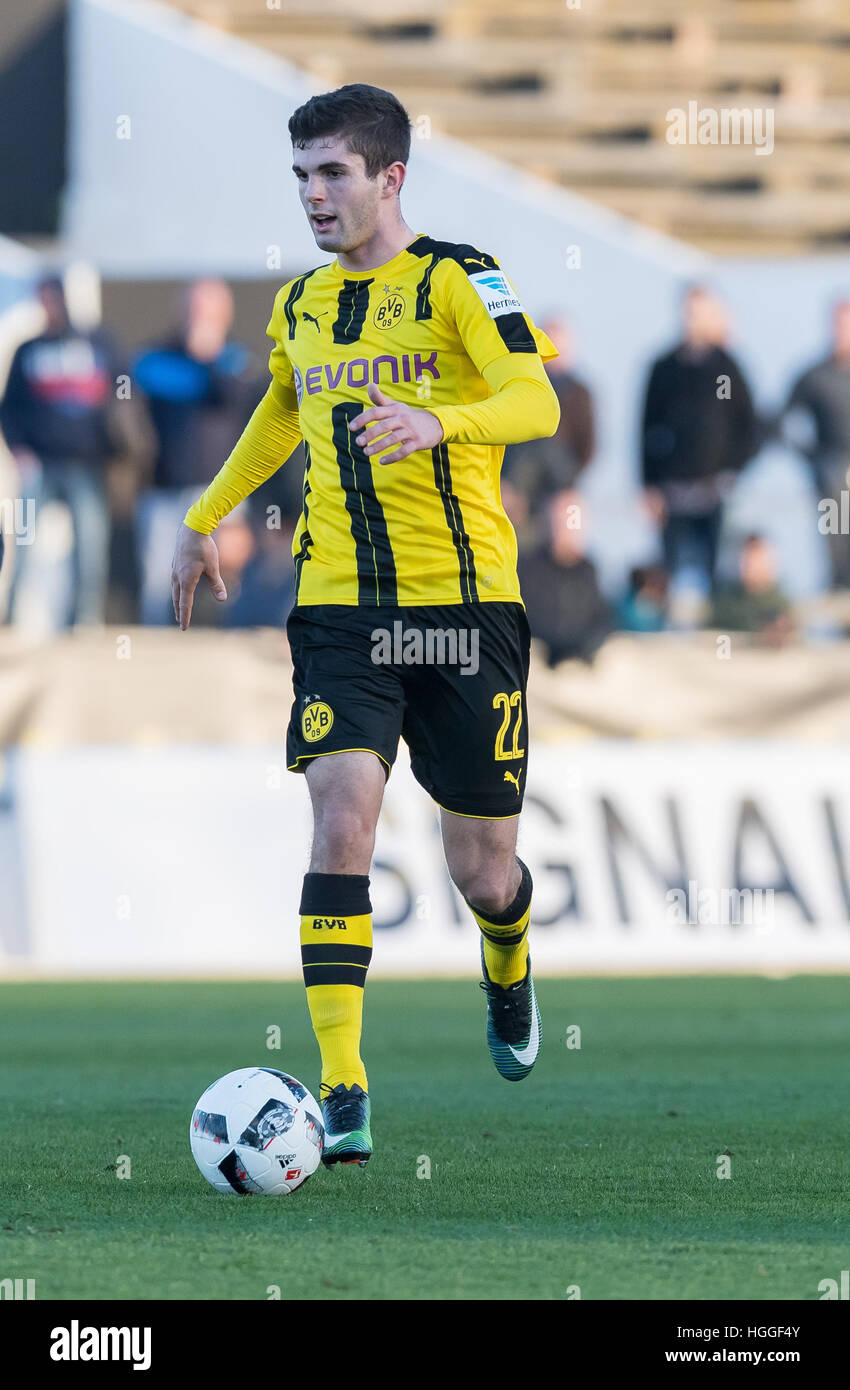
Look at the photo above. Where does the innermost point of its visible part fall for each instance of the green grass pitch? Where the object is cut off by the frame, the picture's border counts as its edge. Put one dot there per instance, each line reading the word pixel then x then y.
pixel 599 1171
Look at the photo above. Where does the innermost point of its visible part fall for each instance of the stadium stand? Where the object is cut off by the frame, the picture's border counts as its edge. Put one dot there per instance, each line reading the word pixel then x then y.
pixel 580 90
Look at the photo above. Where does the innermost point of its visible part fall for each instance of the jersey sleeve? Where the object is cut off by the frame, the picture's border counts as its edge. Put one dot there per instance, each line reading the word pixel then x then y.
pixel 268 439
pixel 490 318
pixel 523 405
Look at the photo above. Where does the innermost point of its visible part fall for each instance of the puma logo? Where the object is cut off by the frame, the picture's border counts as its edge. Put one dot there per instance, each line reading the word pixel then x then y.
pixel 474 260
pixel 314 318
pixel 510 777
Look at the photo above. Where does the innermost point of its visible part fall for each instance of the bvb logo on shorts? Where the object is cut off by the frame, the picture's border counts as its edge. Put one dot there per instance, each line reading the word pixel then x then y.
pixel 390 311
pixel 316 721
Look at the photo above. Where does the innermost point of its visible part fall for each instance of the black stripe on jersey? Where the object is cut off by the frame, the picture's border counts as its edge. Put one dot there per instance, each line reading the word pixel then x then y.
pixel 352 304
pixel 515 333
pixel 334 975
pixel 293 297
pixel 306 538
pixel 303 554
pixel 336 955
pixel 423 291
pixel 376 572
pixel 454 517
pixel 512 328
pixel 442 251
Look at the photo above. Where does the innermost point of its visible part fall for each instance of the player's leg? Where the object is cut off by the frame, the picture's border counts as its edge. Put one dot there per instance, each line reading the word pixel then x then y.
pixel 336 922
pixel 346 790
pixel 343 735
pixel 467 729
pixel 481 858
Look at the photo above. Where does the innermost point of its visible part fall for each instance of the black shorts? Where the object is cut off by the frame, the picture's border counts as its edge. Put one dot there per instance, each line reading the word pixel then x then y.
pixel 449 680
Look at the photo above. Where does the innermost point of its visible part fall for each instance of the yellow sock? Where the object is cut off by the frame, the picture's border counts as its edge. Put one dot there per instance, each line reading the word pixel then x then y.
pixel 336 1012
pixel 336 947
pixel 506 935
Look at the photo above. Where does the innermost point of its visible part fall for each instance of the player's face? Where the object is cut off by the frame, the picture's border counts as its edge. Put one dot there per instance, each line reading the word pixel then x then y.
pixel 342 204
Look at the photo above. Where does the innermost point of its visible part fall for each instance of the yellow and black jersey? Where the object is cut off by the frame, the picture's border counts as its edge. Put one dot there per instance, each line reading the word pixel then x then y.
pixel 439 327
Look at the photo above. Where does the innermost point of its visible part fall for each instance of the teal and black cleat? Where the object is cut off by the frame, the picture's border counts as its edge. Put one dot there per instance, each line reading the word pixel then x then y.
pixel 514 1027
pixel 345 1112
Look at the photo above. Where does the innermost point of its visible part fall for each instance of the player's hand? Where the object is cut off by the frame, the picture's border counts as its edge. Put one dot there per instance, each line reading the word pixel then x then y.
pixel 194 555
pixel 391 425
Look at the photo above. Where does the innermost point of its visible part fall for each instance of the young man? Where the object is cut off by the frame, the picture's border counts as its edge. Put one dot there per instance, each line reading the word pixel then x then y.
pixel 402 524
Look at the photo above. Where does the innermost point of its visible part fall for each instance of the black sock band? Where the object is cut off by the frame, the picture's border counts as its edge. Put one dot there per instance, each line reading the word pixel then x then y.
pixel 335 895
pixel 515 910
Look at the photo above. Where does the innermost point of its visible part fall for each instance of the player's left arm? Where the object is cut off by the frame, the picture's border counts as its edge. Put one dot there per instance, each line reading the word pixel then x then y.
pixel 509 355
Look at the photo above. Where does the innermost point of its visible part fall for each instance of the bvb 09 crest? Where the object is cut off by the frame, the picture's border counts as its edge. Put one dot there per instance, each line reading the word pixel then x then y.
pixel 316 721
pixel 390 310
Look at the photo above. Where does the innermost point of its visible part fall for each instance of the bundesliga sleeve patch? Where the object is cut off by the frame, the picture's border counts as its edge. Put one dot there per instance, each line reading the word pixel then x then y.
pixel 495 293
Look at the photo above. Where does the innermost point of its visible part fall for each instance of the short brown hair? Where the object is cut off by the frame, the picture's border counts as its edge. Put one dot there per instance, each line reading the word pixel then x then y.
pixel 372 122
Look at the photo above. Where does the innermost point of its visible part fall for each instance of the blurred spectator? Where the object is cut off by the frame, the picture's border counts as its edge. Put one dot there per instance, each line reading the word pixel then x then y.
pixel 518 512
pixel 644 607
pixel 533 471
pixel 699 431
pixel 258 573
pixel 201 388
pixel 267 590
pixel 817 423
pixel 566 610
pixel 55 415
pixel 755 603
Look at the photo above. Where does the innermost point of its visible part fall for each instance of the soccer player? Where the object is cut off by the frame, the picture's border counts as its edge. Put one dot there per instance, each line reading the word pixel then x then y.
pixel 406 365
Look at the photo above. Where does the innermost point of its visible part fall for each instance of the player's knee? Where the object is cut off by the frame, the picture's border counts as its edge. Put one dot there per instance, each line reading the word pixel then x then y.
pixel 489 887
pixel 343 835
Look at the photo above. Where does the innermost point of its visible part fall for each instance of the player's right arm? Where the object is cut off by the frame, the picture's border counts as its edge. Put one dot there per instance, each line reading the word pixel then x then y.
pixel 266 443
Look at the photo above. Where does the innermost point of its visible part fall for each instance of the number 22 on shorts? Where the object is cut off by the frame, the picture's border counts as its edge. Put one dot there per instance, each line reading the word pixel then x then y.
pixel 507 704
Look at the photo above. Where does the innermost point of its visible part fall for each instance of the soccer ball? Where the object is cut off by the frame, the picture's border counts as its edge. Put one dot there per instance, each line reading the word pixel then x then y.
pixel 257 1130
